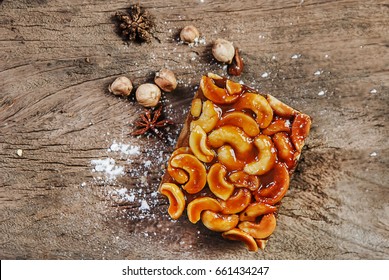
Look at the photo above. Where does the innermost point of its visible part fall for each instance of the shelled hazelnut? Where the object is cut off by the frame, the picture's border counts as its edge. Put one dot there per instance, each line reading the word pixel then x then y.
pixel 148 95
pixel 121 86
pixel 223 51
pixel 189 34
pixel 166 80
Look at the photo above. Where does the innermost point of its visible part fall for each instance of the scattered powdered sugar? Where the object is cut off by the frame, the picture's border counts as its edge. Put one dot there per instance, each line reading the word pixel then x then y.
pixel 373 91
pixel 265 75
pixel 373 154
pixel 108 167
pixel 144 206
pixel 124 148
pixel 318 73
pixel 321 93
pixel 296 56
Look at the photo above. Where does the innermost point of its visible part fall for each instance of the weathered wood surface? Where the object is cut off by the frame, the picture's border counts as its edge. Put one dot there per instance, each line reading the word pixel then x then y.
pixel 326 58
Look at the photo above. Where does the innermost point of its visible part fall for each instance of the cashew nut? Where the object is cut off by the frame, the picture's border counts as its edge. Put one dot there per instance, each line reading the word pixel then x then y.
pixel 266 158
pixel 275 186
pixel 259 105
pixel 233 88
pixel 208 118
pixel 219 222
pixel 237 202
pixel 255 210
pixel 261 243
pixel 280 108
pixel 234 136
pixel 217 182
pixel 300 130
pixel 242 120
pixel 226 155
pixel 179 175
pixel 195 108
pixel 196 206
pixel 239 235
pixel 199 146
pixel 242 180
pixel 214 93
pixel 195 169
pixel 265 228
pixel 176 199
pixel 285 149
pixel 278 125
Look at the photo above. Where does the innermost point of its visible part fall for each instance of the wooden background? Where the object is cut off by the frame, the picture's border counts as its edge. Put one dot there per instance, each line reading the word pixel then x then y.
pixel 326 58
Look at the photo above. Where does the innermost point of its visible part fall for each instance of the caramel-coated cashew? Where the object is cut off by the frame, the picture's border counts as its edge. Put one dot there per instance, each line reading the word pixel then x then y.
pixel 216 94
pixel 196 206
pixel 217 182
pixel 199 146
pixel 255 210
pixel 260 230
pixel 259 105
pixel 176 199
pixel 208 118
pixel 266 158
pixel 285 149
pixel 179 175
pixel 261 243
pixel 233 88
pixel 280 108
pixel 275 185
pixel 195 108
pixel 219 222
pixel 235 137
pixel 239 235
pixel 240 179
pixel 242 120
pixel 237 202
pixel 300 130
pixel 226 156
pixel 195 169
pixel 278 125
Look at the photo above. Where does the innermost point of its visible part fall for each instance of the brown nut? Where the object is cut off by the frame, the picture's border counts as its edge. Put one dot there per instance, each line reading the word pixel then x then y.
pixel 241 179
pixel 219 222
pixel 265 228
pixel 300 130
pixel 242 120
pixel 176 199
pixel 237 202
pixel 179 175
pixel 236 66
pixel 121 86
pixel 208 118
pixel 259 105
pixel 217 182
pixel 274 185
pixel 216 94
pixel 199 146
pixel 239 235
pixel 266 158
pixel 235 137
pixel 223 50
pixel 226 156
pixel 166 80
pixel 148 95
pixel 195 169
pixel 196 206
pixel 255 210
pixel 189 34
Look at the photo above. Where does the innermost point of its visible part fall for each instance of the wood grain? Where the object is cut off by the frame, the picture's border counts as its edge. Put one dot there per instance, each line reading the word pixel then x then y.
pixel 326 58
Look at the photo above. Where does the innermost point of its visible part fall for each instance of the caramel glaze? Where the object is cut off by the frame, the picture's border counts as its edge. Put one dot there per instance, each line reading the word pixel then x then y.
pixel 268 180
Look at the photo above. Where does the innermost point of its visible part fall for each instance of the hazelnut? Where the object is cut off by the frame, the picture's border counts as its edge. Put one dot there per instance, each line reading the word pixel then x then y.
pixel 148 95
pixel 121 86
pixel 223 51
pixel 189 34
pixel 166 80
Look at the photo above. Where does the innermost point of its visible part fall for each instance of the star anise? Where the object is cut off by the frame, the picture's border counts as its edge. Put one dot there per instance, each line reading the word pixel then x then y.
pixel 150 121
pixel 137 24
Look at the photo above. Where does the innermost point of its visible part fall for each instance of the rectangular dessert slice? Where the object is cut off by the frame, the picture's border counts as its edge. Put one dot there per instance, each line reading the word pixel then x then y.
pixel 233 160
